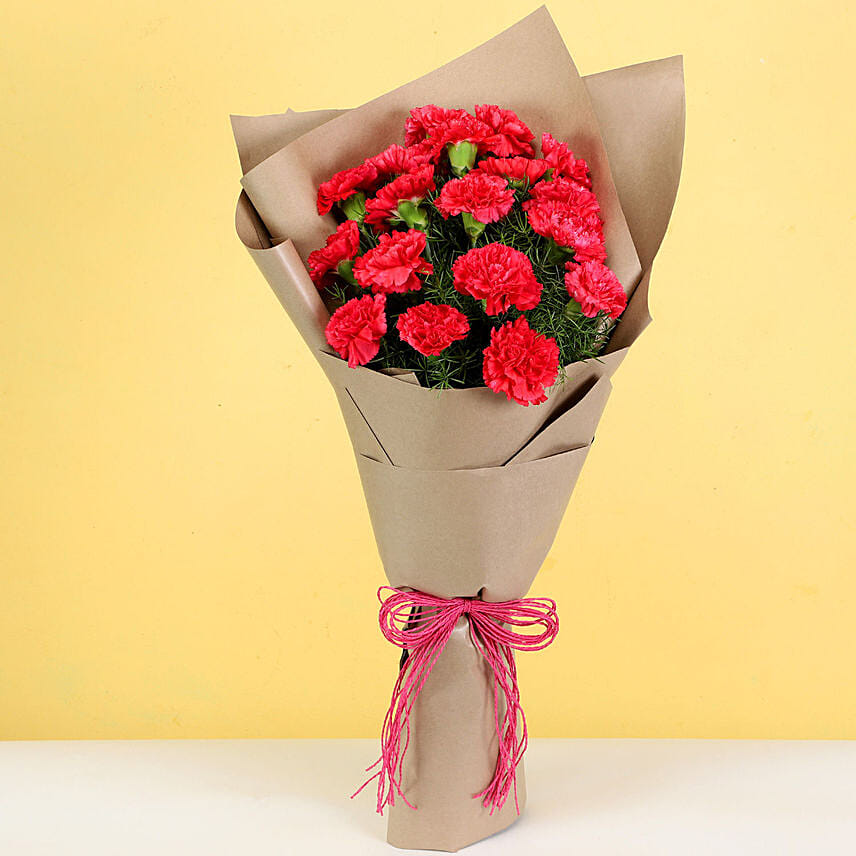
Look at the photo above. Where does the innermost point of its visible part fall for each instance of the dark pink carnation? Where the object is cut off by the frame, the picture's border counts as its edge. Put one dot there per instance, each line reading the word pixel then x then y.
pixel 587 244
pixel 582 202
pixel 487 197
pixel 396 160
pixel 431 327
pixel 551 219
pixel 562 161
pixel 596 288
pixel 341 246
pixel 345 184
pixel 464 128
pixel 411 186
pixel 394 264
pixel 445 128
pixel 508 134
pixel 422 152
pixel 556 220
pixel 356 328
pixel 520 362
pixel 499 275
pixel 423 122
pixel 516 169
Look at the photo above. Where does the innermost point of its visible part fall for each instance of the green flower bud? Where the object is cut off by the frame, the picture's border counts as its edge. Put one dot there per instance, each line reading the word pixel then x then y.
pixel 412 214
pixel 354 207
pixel 462 156
pixel 472 227
pixel 345 270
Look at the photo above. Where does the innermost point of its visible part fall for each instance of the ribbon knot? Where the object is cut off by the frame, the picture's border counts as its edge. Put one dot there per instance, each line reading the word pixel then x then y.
pixel 421 624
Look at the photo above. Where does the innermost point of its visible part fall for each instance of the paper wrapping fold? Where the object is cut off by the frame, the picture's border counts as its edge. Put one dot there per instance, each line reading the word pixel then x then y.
pixel 494 476
pixel 468 533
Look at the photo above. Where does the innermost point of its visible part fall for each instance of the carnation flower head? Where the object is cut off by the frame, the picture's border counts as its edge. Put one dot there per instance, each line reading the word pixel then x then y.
pixel 587 243
pixel 465 128
pixel 394 264
pixel 457 132
pixel 562 161
pixel 520 362
pixel 557 220
pixel 463 135
pixel 396 160
pixel 345 184
pixel 410 187
pixel 422 122
pixel 581 201
pixel 596 288
pixel 508 134
pixel 486 197
pixel 431 327
pixel 516 169
pixel 499 275
pixel 550 218
pixel 341 246
pixel 422 152
pixel 356 328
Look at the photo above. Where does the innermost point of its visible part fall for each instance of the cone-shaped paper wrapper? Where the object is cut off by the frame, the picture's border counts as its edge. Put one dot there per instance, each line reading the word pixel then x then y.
pixel 491 477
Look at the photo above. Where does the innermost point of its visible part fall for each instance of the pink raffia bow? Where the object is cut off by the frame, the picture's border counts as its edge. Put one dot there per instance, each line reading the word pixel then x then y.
pixel 422 624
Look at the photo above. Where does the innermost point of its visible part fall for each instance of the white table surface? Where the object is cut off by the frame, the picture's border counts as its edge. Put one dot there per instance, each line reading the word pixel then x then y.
pixel 587 797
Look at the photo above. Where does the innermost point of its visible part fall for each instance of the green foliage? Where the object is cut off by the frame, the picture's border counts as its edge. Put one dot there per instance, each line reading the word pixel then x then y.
pixel 460 365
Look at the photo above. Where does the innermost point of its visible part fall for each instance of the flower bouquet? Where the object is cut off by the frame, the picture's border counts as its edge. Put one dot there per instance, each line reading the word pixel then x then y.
pixel 469 276
pixel 472 262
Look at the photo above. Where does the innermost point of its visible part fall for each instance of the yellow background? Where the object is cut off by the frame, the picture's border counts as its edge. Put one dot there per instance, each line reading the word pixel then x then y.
pixel 185 548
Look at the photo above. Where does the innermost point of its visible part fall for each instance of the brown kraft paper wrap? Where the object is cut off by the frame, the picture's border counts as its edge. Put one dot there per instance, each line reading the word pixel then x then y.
pixel 424 456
